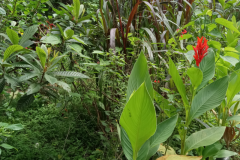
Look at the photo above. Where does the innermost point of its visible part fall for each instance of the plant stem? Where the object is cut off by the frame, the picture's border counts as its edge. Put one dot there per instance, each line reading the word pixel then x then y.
pixel 183 142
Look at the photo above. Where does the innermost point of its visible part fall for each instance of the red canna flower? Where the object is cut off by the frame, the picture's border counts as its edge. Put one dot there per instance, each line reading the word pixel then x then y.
pixel 158 81
pixel 200 50
pixel 155 81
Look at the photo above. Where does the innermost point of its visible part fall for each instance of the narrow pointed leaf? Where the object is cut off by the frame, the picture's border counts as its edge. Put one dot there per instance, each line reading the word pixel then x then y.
pixel 178 82
pixel 42 56
pixel 234 85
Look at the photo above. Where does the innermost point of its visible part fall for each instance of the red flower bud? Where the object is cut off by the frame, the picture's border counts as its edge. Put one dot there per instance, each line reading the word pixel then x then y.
pixel 155 81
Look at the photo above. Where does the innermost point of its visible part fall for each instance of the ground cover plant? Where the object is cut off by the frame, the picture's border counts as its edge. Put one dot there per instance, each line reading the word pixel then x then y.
pixel 119 80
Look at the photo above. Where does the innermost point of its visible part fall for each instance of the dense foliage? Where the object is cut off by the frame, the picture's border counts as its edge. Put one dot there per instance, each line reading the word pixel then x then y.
pixel 118 79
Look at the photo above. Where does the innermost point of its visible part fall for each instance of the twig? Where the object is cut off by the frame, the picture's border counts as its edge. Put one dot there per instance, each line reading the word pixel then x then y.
pixel 66 138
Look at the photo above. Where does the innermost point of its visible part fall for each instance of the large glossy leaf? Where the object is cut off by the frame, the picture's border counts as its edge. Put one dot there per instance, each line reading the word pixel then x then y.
pixel 207 66
pixel 234 85
pixel 6 146
pixel 234 118
pixel 204 137
pixel 225 153
pixel 139 118
pixel 2 11
pixel 64 85
pixel 208 98
pixel 68 33
pixel 25 101
pixel 163 132
pixel 51 39
pixel 42 56
pixel 28 33
pixel 2 84
pixel 178 82
pixel 50 79
pixel 211 150
pixel 226 24
pixel 196 76
pixel 10 50
pixel 70 74
pixel 33 88
pixel 14 127
pixel 139 75
pixel 12 81
pixel 13 36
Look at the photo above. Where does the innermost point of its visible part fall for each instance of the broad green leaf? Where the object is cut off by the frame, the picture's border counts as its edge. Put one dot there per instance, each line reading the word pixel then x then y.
pixel 139 118
pixel 225 153
pixel 6 146
pixel 234 86
pixel 196 76
pixel 2 84
pixel 139 75
pixel 189 56
pixel 69 74
pixel 164 104
pixel 10 50
pixel 214 44
pixel 204 137
pixel 222 2
pixel 13 36
pixel 28 33
pixel 14 127
pixel 185 36
pixel 25 101
pixel 64 85
pixel 233 61
pixel 211 150
pixel 68 33
pixel 51 39
pixel 163 132
pixel 226 24
pixel 76 9
pixel 207 66
pixel 12 81
pixel 2 11
pixel 208 98
pixel 42 56
pixel 50 79
pixel 234 118
pixel 178 82
pixel 33 88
